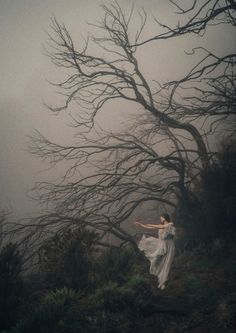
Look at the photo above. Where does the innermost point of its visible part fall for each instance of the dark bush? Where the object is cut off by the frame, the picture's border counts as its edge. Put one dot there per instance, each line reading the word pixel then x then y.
pixel 117 265
pixel 11 285
pixel 210 211
pixel 67 259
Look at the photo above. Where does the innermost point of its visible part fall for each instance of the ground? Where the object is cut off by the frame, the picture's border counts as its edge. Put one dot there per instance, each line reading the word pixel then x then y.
pixel 200 294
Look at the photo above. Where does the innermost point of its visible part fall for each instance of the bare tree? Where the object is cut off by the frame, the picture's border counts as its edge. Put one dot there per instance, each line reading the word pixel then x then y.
pixel 95 80
pixel 210 84
pixel 200 16
pixel 128 168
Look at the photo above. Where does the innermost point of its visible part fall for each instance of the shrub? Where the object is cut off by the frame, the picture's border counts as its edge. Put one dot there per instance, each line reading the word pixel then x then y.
pixel 117 265
pixel 134 297
pixel 210 212
pixel 53 315
pixel 67 259
pixel 11 285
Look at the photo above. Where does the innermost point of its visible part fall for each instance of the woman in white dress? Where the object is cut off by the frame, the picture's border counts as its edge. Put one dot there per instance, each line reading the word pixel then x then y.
pixel 159 251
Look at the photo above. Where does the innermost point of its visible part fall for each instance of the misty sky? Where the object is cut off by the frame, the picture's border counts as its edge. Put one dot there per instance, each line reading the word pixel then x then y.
pixel 24 70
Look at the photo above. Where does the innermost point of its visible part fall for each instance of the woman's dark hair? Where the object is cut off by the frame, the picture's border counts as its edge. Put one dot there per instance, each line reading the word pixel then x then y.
pixel 166 217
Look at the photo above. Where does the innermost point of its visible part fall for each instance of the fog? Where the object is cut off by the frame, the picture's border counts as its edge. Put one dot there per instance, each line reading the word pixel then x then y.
pixel 25 69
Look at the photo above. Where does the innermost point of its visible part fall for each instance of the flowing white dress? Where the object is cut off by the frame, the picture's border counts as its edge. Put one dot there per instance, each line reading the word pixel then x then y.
pixel 160 252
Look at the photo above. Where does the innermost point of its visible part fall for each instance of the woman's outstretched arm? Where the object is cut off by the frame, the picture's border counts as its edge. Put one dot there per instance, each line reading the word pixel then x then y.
pixel 142 225
pixel 159 226
pixel 150 226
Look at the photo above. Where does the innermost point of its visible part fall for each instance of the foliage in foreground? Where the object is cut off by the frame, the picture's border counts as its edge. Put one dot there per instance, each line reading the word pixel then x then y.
pixel 200 292
pixel 11 285
pixel 82 288
pixel 67 259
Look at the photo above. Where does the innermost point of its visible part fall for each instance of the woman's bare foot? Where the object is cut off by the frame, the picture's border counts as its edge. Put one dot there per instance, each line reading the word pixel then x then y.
pixel 161 286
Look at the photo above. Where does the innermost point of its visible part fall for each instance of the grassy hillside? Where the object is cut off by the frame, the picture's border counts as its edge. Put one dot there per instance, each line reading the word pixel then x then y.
pixel 201 289
pixel 116 294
